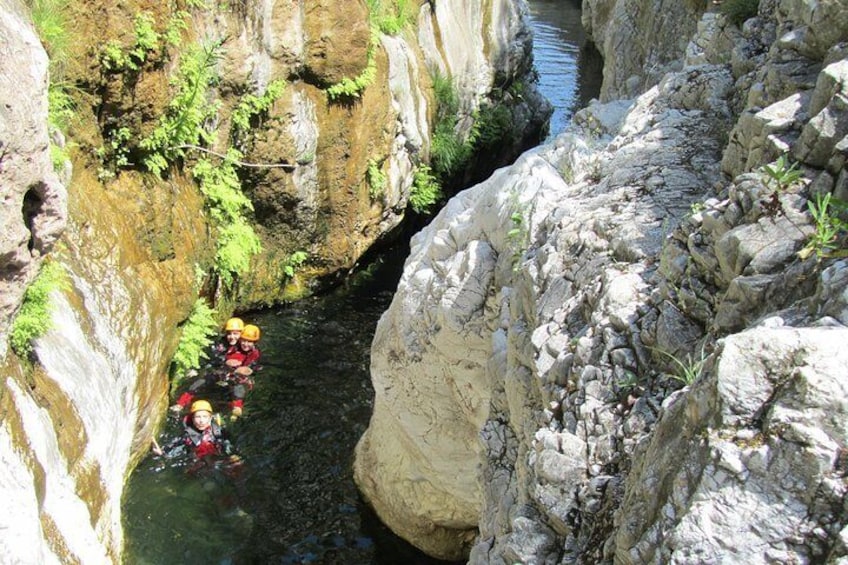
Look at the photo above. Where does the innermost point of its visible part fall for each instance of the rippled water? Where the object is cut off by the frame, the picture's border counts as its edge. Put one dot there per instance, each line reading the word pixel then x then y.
pixel 569 70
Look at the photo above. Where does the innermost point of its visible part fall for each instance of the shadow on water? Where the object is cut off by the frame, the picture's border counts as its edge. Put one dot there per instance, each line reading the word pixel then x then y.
pixel 295 501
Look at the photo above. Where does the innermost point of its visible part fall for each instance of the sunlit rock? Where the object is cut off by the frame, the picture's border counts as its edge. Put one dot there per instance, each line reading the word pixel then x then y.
pixel 34 207
pixel 627 421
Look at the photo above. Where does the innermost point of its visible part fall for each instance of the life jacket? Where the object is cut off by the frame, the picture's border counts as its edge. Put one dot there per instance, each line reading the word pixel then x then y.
pixel 246 359
pixel 208 442
pixel 220 351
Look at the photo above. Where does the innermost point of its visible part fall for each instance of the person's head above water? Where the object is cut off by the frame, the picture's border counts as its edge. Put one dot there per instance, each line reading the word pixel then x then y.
pixel 233 328
pixel 201 414
pixel 249 337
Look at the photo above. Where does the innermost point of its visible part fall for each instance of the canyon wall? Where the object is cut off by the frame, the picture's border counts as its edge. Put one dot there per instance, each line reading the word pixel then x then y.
pixel 624 347
pixel 136 249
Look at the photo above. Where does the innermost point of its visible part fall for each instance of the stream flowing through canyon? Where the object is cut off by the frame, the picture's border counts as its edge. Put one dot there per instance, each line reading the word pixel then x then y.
pixel 294 500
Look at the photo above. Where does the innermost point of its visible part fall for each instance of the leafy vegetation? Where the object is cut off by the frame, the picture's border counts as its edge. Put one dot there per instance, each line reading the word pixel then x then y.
pixel 61 110
pixel 426 190
pixel 295 261
pixel 688 370
pixel 829 238
pixel 782 175
pixel 517 238
pixel 237 241
pixel 196 336
pixel 518 235
pixel 251 105
pixel 376 179
pixel 352 87
pixel 492 123
pixel 184 121
pixel 738 11
pixel 173 34
pixel 116 57
pixel 392 17
pixel 448 151
pixel 51 23
pixel 34 318
pixel 114 154
pixel 188 123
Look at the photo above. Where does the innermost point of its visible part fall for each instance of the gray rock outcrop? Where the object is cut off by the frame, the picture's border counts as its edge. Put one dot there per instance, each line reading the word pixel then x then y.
pixel 625 345
pixel 34 208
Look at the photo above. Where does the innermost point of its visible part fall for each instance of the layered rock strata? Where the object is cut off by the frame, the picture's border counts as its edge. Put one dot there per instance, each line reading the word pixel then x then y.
pixel 623 348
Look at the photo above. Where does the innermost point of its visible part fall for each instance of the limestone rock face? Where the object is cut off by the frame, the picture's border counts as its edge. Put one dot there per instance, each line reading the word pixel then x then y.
pixel 454 354
pixel 34 208
pixel 748 457
pixel 636 40
pixel 643 321
pixel 133 243
pixel 337 37
pixel 320 202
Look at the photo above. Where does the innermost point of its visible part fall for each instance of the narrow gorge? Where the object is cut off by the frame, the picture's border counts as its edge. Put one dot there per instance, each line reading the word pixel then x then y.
pixel 206 155
pixel 627 346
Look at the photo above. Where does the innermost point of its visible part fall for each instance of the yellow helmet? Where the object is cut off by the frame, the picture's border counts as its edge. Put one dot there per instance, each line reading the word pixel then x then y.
pixel 234 325
pixel 199 405
pixel 250 333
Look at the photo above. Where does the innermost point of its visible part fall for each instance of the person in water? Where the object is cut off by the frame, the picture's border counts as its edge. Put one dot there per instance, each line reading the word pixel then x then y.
pixel 204 436
pixel 216 370
pixel 242 362
pixel 228 342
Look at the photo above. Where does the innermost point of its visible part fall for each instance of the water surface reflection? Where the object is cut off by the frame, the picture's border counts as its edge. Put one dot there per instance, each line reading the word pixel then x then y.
pixel 569 69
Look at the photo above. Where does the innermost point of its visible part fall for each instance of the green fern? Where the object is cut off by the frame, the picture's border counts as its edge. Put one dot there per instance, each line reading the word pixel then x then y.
pixel 185 118
pixel 376 179
pixel 237 244
pixel 295 261
pixel 426 190
pixel 221 186
pixel 449 152
pixel 196 336
pixel 117 57
pixel 353 87
pixel 34 318
pixel 250 106
pixel 178 23
pixel 227 204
